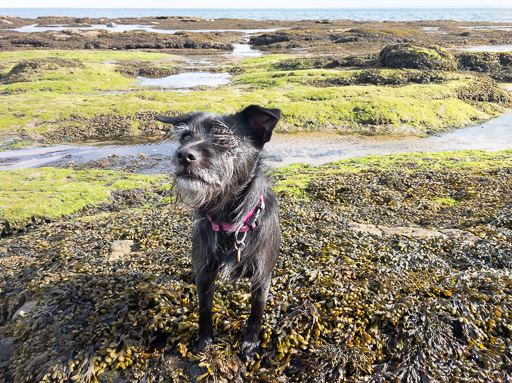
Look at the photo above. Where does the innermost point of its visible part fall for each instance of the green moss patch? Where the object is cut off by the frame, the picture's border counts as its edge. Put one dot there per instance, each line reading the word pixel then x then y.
pixel 60 96
pixel 417 57
pixel 49 193
pixel 82 55
pixel 294 178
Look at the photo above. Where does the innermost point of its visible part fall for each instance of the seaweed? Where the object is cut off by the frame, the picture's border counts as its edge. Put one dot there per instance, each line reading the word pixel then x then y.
pixel 345 305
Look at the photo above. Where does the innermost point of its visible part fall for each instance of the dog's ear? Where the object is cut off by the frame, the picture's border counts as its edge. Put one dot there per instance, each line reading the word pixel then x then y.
pixel 262 122
pixel 176 120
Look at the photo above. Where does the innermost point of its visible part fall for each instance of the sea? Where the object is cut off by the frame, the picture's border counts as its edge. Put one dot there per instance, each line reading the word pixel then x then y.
pixel 502 15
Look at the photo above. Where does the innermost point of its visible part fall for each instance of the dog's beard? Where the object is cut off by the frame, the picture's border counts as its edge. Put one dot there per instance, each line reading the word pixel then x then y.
pixel 193 191
pixel 199 189
pixel 214 186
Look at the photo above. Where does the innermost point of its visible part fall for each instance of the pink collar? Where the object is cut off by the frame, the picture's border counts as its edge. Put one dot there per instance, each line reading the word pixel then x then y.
pixel 250 220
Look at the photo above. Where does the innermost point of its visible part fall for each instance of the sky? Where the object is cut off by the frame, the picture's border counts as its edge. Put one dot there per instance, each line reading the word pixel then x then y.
pixel 258 4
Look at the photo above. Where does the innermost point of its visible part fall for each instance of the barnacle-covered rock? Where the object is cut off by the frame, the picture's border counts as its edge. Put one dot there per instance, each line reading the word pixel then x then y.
pixel 484 89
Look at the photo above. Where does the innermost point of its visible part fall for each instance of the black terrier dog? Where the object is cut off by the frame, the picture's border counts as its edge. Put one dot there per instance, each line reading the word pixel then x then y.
pixel 218 170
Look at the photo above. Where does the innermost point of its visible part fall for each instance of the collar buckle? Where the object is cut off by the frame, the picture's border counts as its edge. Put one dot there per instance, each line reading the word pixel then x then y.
pixel 252 222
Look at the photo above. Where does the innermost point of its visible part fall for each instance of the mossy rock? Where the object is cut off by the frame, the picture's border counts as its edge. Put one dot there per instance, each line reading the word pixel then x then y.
pixel 484 89
pixel 398 77
pixel 25 68
pixel 417 57
pixel 145 69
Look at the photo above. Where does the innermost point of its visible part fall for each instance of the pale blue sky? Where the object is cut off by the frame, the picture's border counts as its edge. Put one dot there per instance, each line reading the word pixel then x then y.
pixel 256 4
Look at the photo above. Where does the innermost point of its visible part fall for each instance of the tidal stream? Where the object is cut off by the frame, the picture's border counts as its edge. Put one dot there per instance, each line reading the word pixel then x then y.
pixel 282 150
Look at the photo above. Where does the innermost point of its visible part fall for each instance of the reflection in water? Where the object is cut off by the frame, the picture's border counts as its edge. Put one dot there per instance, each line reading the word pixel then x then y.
pixel 488 48
pixel 245 50
pixel 187 80
pixel 284 149
pixel 321 148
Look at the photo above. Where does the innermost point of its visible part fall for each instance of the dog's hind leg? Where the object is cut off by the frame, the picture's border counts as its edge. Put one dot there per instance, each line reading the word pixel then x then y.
pixel 251 340
pixel 205 285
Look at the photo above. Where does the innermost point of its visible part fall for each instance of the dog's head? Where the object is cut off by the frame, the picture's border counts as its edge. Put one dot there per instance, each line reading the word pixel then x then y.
pixel 218 155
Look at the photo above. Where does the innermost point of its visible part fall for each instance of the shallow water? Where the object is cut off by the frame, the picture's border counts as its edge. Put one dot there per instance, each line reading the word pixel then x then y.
pixel 489 27
pixel 488 48
pixel 320 148
pixel 245 50
pixel 187 80
pixel 283 149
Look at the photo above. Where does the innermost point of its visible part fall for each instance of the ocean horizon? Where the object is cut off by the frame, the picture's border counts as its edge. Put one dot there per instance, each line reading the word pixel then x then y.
pixel 502 15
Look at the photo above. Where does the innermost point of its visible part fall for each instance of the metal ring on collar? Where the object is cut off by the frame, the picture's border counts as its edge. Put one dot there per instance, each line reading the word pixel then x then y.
pixel 240 243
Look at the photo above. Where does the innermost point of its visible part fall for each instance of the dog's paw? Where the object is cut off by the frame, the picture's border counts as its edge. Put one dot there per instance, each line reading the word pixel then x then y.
pixel 249 350
pixel 204 343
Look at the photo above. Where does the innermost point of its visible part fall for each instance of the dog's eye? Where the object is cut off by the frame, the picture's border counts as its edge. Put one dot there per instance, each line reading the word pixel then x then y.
pixel 186 137
pixel 224 142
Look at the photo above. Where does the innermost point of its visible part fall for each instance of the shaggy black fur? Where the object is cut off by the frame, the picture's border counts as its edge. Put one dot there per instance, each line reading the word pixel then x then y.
pixel 218 171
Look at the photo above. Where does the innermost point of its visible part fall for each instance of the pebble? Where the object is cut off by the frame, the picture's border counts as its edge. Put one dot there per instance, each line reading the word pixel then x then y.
pixel 25 309
pixel 120 249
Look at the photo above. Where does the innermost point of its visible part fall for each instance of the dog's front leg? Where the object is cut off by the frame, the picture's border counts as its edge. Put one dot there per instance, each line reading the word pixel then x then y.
pixel 251 340
pixel 205 285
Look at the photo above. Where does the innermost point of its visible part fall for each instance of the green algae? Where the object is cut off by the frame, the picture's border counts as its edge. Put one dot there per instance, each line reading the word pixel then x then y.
pixel 293 179
pixel 48 193
pixel 86 55
pixel 34 195
pixel 48 100
pixel 419 57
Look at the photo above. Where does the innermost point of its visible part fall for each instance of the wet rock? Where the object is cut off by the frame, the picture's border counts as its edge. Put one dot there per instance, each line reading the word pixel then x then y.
pixel 6 350
pixel 270 38
pixel 120 249
pixel 496 65
pixel 417 57
pixel 24 310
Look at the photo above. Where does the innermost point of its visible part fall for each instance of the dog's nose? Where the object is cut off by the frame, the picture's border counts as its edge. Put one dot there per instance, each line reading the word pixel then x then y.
pixel 187 156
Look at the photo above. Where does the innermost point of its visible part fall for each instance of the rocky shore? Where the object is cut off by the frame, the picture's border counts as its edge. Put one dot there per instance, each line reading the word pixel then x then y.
pixel 334 75
pixel 393 268
pixel 318 36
